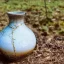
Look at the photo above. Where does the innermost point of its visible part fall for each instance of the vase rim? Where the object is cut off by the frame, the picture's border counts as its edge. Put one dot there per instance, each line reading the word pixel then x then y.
pixel 16 13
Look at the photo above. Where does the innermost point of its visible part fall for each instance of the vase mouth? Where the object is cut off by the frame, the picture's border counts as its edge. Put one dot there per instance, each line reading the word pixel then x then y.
pixel 16 13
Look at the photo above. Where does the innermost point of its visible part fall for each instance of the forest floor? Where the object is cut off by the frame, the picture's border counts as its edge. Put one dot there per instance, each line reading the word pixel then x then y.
pixel 49 32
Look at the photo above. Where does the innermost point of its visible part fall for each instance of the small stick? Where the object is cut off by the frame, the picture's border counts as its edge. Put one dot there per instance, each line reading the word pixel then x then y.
pixel 45 8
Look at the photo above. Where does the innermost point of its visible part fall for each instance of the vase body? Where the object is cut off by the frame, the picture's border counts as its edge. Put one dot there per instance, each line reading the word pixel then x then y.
pixel 16 39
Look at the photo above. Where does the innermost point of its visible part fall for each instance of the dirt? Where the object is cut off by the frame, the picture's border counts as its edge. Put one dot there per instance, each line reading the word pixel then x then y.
pixel 49 48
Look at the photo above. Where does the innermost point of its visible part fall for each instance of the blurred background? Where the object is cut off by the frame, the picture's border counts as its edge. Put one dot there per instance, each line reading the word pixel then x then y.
pixel 47 16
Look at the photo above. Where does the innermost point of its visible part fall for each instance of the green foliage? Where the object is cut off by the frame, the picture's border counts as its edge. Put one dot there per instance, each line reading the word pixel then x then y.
pixel 55 11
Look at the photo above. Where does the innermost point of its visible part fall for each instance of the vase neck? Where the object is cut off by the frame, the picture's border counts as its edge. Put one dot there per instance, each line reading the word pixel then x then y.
pixel 16 16
pixel 16 23
pixel 16 19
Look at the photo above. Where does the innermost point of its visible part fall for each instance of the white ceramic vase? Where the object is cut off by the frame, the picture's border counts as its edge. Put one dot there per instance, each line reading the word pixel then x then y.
pixel 16 39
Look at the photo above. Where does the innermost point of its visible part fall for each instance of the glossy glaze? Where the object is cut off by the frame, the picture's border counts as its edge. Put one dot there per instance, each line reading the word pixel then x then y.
pixel 17 38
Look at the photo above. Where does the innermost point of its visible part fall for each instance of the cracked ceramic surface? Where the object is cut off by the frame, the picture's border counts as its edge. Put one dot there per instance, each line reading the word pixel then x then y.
pixel 17 37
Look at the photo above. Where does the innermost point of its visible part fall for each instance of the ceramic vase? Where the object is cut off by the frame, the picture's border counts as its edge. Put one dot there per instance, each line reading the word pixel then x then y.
pixel 16 39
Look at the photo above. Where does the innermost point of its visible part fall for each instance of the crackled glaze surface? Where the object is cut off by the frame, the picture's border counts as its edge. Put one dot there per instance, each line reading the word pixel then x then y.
pixel 17 37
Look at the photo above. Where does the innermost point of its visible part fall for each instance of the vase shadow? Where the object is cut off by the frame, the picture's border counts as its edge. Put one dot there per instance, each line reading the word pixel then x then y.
pixel 6 60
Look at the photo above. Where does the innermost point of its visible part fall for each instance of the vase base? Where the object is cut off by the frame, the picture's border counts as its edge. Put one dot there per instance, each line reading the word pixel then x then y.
pixel 13 58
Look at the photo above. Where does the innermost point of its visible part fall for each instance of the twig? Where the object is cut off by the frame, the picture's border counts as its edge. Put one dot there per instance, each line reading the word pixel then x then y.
pixel 45 8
